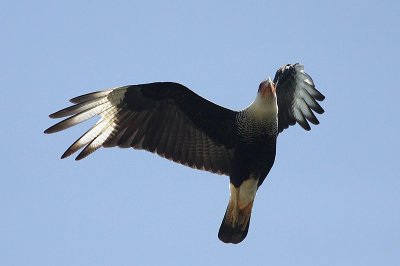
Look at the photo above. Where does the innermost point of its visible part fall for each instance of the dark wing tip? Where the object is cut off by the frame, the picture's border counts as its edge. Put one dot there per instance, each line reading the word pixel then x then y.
pixel 318 109
pixel 303 123
pixel 66 154
pixel 319 96
pixel 51 130
pixel 83 154
pixel 79 157
pixel 297 95
pixel 53 115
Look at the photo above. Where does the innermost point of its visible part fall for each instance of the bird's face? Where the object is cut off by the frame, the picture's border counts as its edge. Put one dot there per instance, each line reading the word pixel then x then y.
pixel 267 89
pixel 265 104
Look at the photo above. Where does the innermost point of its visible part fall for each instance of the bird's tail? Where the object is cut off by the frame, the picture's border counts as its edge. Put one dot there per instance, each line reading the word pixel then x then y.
pixel 235 225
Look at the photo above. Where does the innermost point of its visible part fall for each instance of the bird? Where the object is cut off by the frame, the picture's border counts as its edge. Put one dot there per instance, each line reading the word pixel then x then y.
pixel 169 119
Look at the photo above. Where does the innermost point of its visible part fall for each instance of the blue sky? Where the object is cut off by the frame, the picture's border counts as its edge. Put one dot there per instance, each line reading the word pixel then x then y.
pixel 332 197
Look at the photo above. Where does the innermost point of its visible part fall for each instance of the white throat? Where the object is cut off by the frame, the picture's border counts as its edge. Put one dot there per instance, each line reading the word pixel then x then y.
pixel 263 109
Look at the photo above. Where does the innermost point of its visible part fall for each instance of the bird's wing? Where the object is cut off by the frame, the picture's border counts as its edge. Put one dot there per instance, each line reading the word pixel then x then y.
pixel 163 117
pixel 297 97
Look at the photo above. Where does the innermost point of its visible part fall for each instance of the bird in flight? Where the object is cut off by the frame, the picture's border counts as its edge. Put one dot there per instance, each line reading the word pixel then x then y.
pixel 169 119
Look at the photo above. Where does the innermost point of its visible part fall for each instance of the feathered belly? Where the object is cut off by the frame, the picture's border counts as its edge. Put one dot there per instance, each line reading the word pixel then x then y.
pixel 253 161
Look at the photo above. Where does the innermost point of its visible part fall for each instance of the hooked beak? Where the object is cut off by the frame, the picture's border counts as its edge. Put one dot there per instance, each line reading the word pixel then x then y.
pixel 267 88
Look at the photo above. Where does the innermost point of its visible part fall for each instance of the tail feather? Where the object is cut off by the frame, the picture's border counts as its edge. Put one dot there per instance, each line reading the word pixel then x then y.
pixel 235 224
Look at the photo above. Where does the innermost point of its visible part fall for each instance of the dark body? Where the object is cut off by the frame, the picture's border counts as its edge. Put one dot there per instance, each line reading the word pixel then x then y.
pixel 254 157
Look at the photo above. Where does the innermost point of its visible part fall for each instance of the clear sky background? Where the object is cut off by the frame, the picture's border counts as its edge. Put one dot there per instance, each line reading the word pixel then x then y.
pixel 332 197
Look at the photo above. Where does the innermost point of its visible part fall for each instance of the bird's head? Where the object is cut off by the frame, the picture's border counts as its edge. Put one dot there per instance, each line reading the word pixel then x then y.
pixel 267 90
pixel 265 104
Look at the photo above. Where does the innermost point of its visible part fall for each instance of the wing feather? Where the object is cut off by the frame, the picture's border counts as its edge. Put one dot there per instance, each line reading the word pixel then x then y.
pixel 172 138
pixel 86 138
pixel 161 140
pixel 310 101
pixel 297 97
pixel 164 117
pixel 90 96
pixel 79 118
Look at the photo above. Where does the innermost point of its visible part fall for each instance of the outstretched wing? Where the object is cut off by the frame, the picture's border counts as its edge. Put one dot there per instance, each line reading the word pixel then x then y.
pixel 163 117
pixel 297 97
